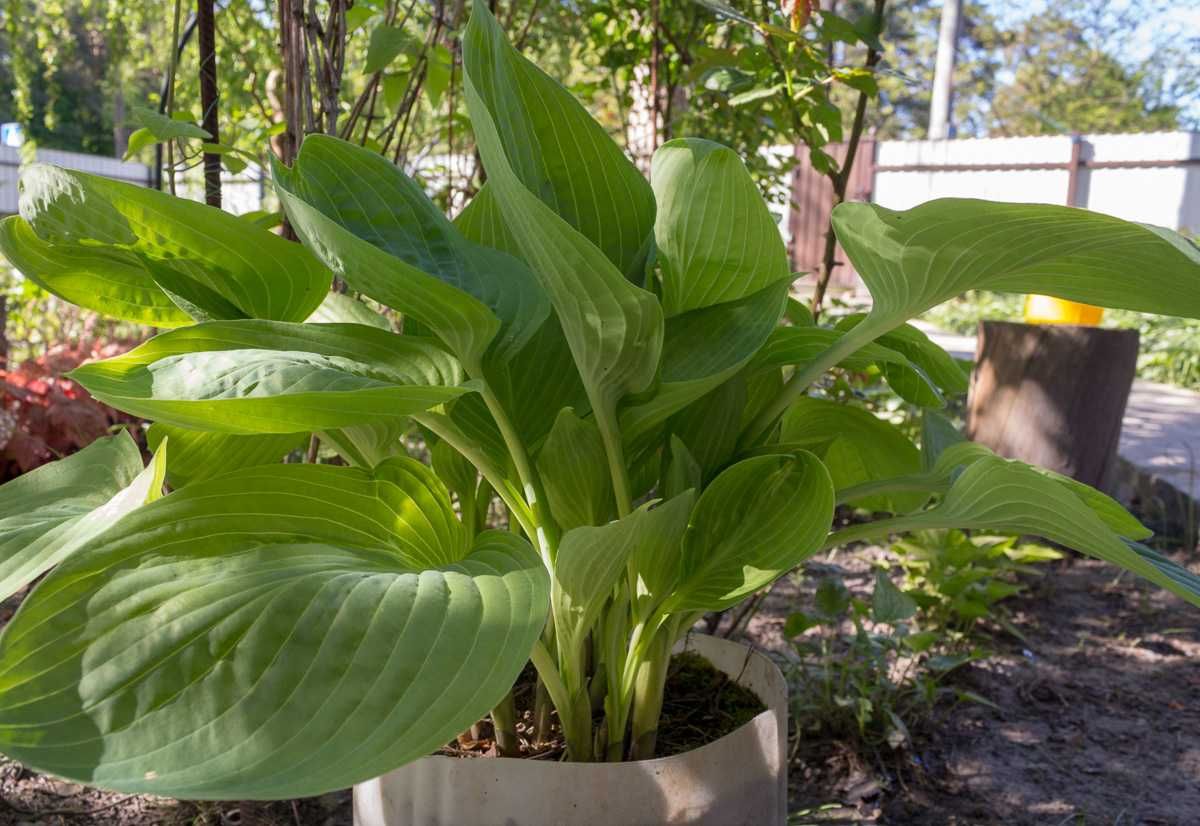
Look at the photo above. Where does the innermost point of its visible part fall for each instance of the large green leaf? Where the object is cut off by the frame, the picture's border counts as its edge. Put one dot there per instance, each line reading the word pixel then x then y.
pixel 702 349
pixel 372 198
pixel 715 238
pixel 197 455
pixel 758 518
pixel 916 259
pixel 952 459
pixel 271 377
pixel 464 323
pixel 554 148
pixel 213 264
pixel 522 119
pixel 51 512
pixel 273 633
pixel 543 377
pixel 109 280
pixel 995 494
pixel 708 428
pixel 857 446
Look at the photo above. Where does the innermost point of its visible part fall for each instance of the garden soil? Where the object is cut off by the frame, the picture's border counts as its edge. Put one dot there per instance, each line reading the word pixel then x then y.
pixel 1096 719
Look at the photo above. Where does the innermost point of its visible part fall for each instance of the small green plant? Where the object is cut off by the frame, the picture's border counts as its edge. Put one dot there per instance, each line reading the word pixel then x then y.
pixel 606 355
pixel 868 676
pixel 957 579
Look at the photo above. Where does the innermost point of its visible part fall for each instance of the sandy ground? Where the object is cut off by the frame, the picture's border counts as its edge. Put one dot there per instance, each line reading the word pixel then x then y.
pixel 1098 718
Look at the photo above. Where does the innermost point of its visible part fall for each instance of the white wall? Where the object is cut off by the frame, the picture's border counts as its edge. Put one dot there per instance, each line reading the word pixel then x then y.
pixel 1168 196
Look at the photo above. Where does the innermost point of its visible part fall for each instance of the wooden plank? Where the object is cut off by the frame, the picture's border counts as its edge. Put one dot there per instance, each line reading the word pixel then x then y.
pixel 1053 395
pixel 812 202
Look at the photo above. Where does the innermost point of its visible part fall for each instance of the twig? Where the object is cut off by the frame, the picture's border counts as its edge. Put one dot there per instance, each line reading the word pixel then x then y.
pixel 841 178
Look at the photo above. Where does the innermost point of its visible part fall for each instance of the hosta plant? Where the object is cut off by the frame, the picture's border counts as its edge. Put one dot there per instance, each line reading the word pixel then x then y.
pixel 606 356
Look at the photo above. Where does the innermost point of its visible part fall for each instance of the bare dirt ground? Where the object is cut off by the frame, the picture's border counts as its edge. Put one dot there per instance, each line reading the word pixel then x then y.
pixel 1097 720
pixel 1098 724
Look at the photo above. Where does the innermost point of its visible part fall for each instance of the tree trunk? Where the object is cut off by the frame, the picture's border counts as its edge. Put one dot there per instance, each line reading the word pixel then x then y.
pixel 209 98
pixel 1053 395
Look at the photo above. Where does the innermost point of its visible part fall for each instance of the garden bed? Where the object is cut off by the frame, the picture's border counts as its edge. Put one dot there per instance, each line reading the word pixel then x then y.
pixel 1096 718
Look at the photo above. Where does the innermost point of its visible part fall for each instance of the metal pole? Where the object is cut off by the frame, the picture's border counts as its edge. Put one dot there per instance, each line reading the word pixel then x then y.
pixel 943 73
pixel 1074 167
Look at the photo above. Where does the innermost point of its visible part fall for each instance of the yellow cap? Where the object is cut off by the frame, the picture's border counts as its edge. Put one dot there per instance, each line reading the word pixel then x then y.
pixel 1042 309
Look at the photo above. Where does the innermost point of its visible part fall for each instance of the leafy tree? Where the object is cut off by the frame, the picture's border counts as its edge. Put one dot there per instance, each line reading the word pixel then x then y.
pixel 1065 81
pixel 906 74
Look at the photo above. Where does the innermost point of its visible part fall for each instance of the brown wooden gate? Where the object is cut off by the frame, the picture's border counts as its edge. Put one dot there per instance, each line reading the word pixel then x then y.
pixel 812 196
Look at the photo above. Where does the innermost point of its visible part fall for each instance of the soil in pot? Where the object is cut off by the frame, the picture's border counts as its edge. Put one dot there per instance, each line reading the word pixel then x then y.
pixel 701 704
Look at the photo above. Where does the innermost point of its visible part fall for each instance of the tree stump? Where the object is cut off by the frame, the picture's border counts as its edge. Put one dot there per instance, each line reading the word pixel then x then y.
pixel 1053 395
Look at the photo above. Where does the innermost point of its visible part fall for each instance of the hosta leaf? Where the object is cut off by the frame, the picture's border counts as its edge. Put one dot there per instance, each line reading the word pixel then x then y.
pixel 465 324
pixel 856 446
pixel 109 280
pixel 269 377
pixel 214 264
pixel 756 520
pixel 937 434
pixel 554 148
pixel 591 560
pixel 540 381
pixel 995 494
pixel 799 346
pixel 366 445
pixel 273 633
pixel 543 376
pixel 339 308
pixel 934 362
pixel 54 511
pixel 961 454
pixel 683 472
pixel 658 556
pixel 709 427
pixel 372 198
pixel 702 349
pixel 954 457
pixel 916 259
pixel 589 563
pixel 196 455
pixel 614 329
pixel 714 236
pixel 574 472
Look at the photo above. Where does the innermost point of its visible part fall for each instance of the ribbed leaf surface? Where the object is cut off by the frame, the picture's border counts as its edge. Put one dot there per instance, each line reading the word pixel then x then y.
pixel 267 377
pixel 274 633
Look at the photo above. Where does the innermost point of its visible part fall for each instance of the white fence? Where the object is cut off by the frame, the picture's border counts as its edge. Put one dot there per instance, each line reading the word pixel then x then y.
pixel 1153 178
pixel 10 161
pixel 244 192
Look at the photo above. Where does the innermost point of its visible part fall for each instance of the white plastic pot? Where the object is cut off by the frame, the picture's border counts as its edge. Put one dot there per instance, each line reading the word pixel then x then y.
pixel 738 779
